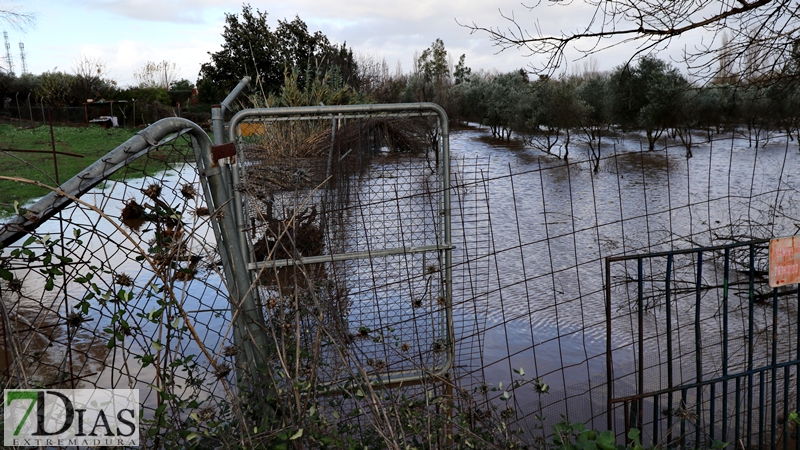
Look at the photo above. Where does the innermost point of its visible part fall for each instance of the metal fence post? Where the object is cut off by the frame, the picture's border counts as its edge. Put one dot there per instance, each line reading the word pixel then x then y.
pixel 249 332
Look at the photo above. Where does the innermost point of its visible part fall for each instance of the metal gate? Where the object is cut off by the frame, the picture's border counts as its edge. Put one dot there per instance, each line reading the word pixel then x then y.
pixel 701 350
pixel 342 215
pixel 316 259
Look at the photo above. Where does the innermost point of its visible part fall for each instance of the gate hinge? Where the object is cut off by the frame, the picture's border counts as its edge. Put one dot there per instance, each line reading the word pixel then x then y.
pixel 227 150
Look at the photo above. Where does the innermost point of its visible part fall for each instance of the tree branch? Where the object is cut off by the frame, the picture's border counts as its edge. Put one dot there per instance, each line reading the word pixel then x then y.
pixel 17 18
pixel 651 21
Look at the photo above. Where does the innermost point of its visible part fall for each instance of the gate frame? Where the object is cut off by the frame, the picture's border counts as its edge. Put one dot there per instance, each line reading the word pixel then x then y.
pixel 336 112
pixel 636 401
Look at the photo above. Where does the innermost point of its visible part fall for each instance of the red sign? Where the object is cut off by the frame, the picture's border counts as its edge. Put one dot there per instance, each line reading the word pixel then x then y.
pixel 784 261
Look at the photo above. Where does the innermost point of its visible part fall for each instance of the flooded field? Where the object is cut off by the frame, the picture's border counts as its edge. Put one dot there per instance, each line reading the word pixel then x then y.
pixel 531 234
pixel 538 301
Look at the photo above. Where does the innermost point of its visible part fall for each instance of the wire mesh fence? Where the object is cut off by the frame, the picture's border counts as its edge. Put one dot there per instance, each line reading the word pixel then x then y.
pixel 551 226
pixel 122 289
pixel 349 211
pixel 125 113
pixel 128 287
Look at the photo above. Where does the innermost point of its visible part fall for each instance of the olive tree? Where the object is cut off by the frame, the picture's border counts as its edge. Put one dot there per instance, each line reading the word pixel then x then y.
pixel 469 97
pixel 784 97
pixel 755 109
pixel 558 111
pixel 709 104
pixel 508 104
pixel 594 93
pixel 648 96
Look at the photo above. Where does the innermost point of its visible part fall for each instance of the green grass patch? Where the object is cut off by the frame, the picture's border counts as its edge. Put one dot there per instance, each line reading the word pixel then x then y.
pixel 89 142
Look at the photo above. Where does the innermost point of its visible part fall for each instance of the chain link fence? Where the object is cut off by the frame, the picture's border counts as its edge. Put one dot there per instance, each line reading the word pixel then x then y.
pixel 123 288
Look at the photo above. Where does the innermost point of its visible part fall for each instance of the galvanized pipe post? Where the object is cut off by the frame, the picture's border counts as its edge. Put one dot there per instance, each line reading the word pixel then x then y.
pixel 249 332
pixel 215 189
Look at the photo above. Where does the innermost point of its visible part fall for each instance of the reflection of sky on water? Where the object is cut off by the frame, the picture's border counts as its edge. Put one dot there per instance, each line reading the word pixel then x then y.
pixel 393 302
pixel 529 258
pixel 533 246
pixel 110 248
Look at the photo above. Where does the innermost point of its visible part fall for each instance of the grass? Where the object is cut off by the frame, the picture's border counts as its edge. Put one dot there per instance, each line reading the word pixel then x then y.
pixel 90 143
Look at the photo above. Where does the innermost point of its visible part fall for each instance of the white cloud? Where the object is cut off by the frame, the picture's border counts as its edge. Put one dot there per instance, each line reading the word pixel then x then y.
pixel 128 33
pixel 175 11
pixel 128 57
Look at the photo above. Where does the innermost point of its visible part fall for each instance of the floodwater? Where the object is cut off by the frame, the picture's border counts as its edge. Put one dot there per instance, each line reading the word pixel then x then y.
pixel 99 243
pixel 531 231
pixel 538 301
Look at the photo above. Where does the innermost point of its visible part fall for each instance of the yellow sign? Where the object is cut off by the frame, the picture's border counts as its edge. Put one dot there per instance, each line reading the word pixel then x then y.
pixel 784 261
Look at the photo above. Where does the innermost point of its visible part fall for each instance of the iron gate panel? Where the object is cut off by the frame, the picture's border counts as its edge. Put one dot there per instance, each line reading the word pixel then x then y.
pixel 345 214
pixel 700 348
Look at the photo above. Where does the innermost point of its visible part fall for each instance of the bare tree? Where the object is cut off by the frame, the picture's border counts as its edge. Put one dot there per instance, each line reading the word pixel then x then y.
pixel 157 74
pixel 88 66
pixel 89 73
pixel 771 26
pixel 373 72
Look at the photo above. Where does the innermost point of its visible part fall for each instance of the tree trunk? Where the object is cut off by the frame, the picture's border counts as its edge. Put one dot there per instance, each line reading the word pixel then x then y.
pixel 686 140
pixel 651 139
pixel 597 156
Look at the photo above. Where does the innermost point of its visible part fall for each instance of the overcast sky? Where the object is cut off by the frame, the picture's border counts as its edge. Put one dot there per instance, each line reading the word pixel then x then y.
pixel 125 34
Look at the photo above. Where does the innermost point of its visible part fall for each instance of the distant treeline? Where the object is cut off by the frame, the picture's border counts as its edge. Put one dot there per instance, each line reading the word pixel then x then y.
pixel 64 97
pixel 291 66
